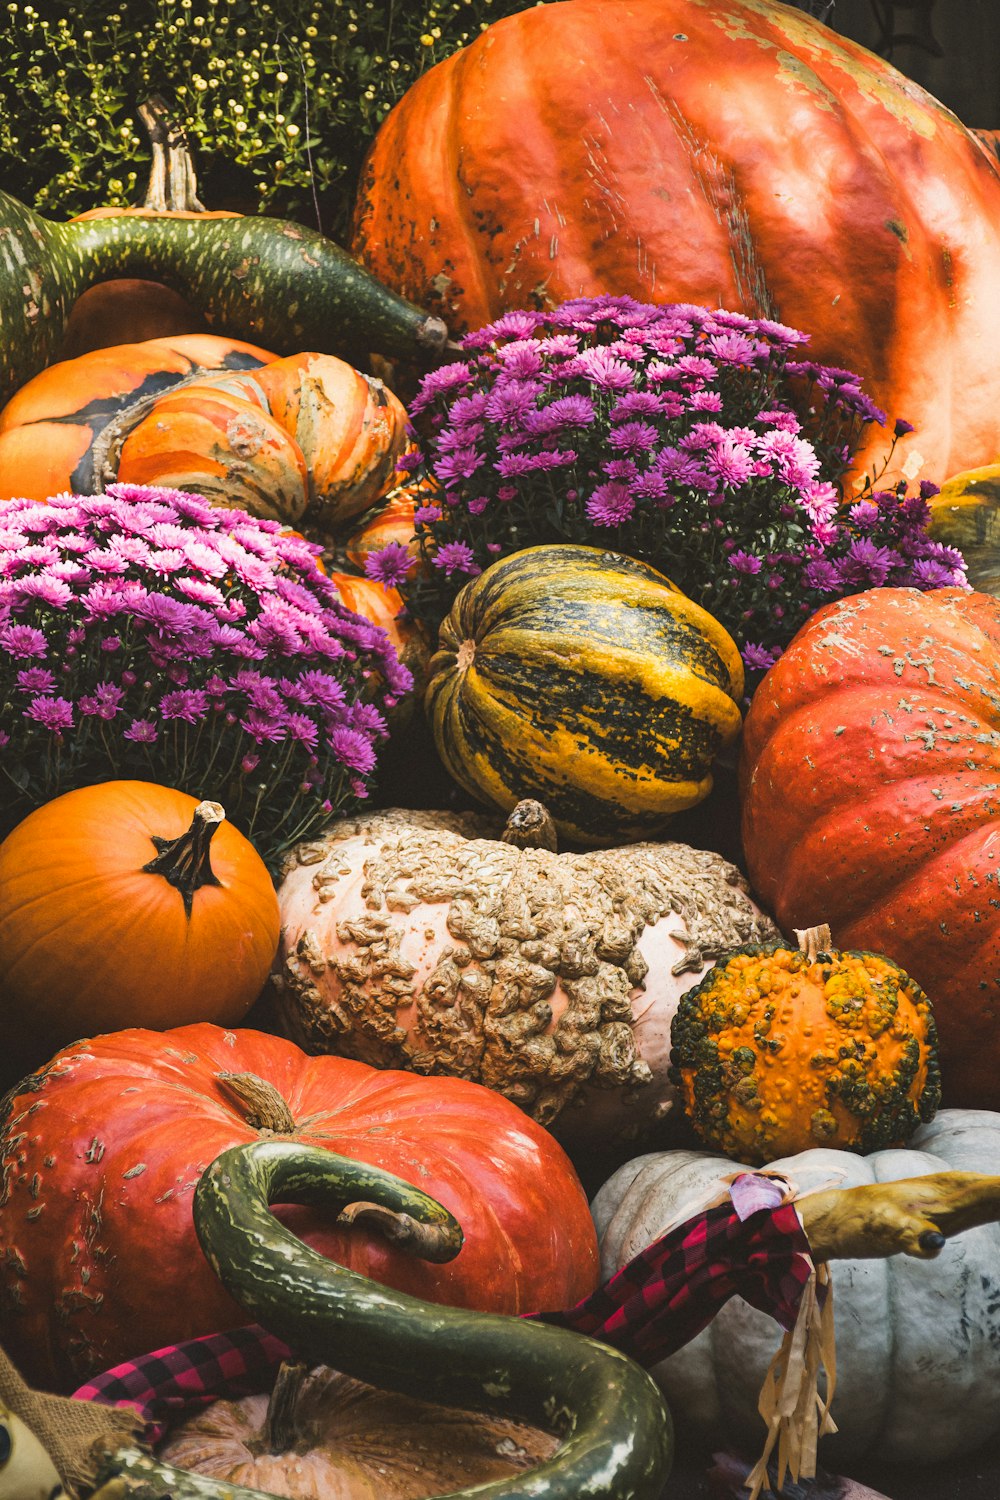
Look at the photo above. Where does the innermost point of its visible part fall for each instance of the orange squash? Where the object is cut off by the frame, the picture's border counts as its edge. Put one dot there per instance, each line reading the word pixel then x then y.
pixel 307 439
pixel 130 904
pixel 779 1049
pixel 52 432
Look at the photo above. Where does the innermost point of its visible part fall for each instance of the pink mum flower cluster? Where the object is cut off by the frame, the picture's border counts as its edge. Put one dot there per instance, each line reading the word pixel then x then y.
pixel 145 634
pixel 696 440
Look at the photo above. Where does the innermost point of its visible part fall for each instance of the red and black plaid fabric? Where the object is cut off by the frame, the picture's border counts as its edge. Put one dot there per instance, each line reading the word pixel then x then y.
pixel 650 1308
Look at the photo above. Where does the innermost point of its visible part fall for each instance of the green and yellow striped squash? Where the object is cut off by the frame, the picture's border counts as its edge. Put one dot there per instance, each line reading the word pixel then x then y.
pixel 588 681
pixel 966 514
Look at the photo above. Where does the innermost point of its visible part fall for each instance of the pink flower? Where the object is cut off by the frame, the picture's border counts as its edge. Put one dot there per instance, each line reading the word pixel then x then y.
pixel 23 640
pixel 353 749
pixel 610 504
pixel 55 714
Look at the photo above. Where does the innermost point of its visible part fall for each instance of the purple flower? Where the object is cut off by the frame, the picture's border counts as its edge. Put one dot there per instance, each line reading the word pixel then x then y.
pixel 424 515
pixel 187 704
pixel 606 372
pixel 352 749
pixel 452 468
pixel 744 562
pixel 322 689
pixel 55 714
pixel 757 658
pixel 104 702
pixel 47 590
pixel 390 565
pixel 866 565
pixel 456 557
pixel 22 641
pixel 902 428
pixel 610 504
pixel 442 381
pixel 729 461
pixel 634 438
pixel 36 680
pixel 263 727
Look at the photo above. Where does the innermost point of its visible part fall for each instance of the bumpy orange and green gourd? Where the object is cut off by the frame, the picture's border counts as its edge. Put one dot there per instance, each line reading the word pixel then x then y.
pixel 781 1049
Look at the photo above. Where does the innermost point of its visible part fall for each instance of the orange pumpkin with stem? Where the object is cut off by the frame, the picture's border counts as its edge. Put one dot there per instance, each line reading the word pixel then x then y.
pixel 127 903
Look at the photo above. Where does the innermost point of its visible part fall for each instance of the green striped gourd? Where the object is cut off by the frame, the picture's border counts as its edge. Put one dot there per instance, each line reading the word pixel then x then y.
pixel 265 280
pixel 616 1433
pixel 586 680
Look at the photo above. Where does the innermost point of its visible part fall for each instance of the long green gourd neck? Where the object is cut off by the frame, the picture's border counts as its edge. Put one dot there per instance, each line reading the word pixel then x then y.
pixel 615 1430
pixel 268 281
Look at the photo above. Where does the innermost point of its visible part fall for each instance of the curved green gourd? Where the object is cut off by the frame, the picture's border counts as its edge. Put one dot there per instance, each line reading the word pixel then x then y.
pixel 265 280
pixel 617 1438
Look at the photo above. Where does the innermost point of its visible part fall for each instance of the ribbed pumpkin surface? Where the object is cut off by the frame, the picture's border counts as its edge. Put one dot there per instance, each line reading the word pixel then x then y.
pixel 587 680
pixel 728 152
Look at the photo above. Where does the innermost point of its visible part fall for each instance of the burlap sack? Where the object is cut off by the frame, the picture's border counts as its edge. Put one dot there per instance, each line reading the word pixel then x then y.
pixel 73 1432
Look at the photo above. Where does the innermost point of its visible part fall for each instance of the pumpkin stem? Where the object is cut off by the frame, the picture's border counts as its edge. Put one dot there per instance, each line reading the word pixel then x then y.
pixel 173 186
pixel 813 941
pixel 281 1430
pixel 530 826
pixel 262 1105
pixel 434 1242
pixel 186 862
pixel 466 654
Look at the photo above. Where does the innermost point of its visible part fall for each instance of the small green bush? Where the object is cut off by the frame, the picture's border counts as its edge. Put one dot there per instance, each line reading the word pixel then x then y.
pixel 280 98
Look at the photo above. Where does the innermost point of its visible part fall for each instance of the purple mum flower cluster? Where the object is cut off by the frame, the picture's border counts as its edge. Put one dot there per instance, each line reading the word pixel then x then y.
pixel 144 633
pixel 698 440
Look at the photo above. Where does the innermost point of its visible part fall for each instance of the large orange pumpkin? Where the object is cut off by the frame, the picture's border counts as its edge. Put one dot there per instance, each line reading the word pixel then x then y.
pixel 130 903
pixel 871 774
pixel 111 1140
pixel 51 430
pixel 733 153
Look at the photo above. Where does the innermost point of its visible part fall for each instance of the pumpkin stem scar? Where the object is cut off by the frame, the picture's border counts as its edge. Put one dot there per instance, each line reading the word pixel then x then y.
pixel 186 862
pixel 260 1103
pixel 466 654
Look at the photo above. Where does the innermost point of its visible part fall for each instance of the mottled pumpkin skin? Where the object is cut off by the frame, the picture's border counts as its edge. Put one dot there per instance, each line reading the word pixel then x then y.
pixel 734 153
pixel 775 1052
pixel 871 790
pixel 100 1155
pixel 588 681
pixel 422 940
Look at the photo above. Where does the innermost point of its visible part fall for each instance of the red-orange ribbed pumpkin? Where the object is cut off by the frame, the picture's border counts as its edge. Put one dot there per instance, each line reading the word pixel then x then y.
pixel 871 797
pixel 110 1143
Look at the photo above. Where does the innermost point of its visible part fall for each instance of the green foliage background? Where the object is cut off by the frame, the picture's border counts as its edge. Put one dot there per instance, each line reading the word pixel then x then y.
pixel 280 98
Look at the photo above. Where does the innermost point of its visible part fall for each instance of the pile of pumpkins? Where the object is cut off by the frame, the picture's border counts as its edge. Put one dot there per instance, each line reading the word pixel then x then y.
pixel 457 996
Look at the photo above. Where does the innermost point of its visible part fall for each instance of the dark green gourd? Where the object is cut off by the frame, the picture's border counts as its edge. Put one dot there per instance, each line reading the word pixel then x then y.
pixel 269 281
pixel 615 1430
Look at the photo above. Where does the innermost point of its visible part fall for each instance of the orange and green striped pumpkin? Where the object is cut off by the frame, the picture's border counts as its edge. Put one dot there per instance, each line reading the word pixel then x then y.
pixel 588 681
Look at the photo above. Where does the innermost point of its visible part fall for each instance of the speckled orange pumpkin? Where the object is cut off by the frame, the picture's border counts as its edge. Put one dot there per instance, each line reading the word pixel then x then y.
pixel 780 1049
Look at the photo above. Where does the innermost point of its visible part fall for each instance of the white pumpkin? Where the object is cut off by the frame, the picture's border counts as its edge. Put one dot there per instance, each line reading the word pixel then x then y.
pixel 422 941
pixel 918 1342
